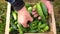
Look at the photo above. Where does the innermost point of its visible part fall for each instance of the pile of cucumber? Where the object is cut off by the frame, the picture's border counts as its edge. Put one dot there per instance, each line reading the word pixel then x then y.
pixel 37 26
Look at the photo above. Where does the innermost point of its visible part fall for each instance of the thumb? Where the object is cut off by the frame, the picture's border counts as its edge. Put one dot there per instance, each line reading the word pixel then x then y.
pixel 30 19
pixel 25 24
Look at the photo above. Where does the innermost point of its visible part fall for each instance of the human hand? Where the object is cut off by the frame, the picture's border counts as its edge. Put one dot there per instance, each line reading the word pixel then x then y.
pixel 24 17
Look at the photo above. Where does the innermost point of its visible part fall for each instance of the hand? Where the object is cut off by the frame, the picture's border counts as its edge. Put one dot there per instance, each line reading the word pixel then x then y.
pixel 35 14
pixel 24 17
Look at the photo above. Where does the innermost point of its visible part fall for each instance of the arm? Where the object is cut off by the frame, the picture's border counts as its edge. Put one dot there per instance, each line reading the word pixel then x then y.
pixel 23 14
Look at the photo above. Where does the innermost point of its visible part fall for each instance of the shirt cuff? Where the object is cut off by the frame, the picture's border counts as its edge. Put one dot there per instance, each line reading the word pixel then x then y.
pixel 17 4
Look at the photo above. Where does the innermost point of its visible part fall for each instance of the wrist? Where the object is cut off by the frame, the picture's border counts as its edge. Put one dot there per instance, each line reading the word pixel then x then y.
pixel 23 10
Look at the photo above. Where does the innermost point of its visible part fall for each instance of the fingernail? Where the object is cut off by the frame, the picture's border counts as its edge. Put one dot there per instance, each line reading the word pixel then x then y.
pixel 39 18
pixel 36 15
pixel 33 13
pixel 33 10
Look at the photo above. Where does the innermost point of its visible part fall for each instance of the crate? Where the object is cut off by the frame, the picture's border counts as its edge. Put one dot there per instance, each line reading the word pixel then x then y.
pixel 51 23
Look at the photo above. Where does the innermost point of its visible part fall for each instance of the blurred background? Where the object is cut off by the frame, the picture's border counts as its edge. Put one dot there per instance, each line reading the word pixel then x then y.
pixel 3 8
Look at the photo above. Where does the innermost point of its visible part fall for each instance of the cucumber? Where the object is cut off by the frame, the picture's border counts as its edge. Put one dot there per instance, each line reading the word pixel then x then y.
pixel 10 29
pixel 42 30
pixel 20 29
pixel 44 9
pixel 14 15
pixel 27 6
pixel 13 26
pixel 34 7
pixel 46 28
pixel 16 23
pixel 42 26
pixel 39 24
pixel 40 12
pixel 34 24
pixel 32 31
pixel 30 9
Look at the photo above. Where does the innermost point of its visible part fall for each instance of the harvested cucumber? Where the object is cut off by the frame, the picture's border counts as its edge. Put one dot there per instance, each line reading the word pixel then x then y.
pixel 43 25
pixel 44 9
pixel 14 15
pixel 27 5
pixel 31 31
pixel 46 28
pixel 34 24
pixel 30 9
pixel 13 26
pixel 40 12
pixel 20 29
pixel 42 31
pixel 39 24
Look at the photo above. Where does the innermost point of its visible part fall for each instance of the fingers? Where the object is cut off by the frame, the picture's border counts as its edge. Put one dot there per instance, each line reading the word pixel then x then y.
pixel 36 15
pixel 34 10
pixel 26 21
pixel 39 18
pixel 33 13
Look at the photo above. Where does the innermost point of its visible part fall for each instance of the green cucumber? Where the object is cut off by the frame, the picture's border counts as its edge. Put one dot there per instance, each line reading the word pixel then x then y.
pixel 27 5
pixel 30 9
pixel 34 24
pixel 40 12
pixel 44 9
pixel 39 24
pixel 42 30
pixel 20 29
pixel 10 29
pixel 42 26
pixel 34 7
pixel 14 15
pixel 13 26
pixel 32 31
pixel 46 28
pixel 16 23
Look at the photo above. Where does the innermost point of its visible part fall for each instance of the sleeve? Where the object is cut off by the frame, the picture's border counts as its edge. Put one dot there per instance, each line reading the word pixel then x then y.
pixel 51 0
pixel 17 4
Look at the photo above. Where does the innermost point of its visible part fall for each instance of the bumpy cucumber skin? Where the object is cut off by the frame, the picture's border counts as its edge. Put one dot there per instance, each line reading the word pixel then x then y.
pixel 40 12
pixel 44 9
